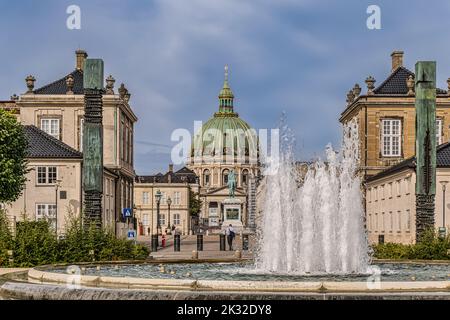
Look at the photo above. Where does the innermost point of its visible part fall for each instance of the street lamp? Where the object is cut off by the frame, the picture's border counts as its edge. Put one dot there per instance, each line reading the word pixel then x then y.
pixel 158 196
pixel 57 185
pixel 169 202
pixel 442 230
pixel 155 237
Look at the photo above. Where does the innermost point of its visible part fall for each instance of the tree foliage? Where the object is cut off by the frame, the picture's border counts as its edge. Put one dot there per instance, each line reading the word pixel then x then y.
pixel 195 203
pixel 13 163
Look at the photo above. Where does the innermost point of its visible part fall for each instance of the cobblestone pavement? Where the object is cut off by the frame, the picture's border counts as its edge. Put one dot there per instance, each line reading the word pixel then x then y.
pixel 211 248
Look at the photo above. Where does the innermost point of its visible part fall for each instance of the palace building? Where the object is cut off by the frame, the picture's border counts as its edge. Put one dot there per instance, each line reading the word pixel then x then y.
pixel 225 143
pixel 386 118
pixel 57 109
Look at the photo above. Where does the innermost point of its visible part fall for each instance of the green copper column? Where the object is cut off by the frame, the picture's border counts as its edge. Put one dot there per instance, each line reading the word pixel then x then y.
pixel 425 145
pixel 93 142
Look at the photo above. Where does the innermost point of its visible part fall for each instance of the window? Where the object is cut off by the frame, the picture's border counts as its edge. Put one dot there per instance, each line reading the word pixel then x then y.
pixel 407 183
pixel 408 220
pixel 177 197
pixel 162 219
pixel 399 214
pixel 375 192
pixel 206 177
pixel 382 222
pixel 370 222
pixel 399 188
pixel 391 137
pixel 80 142
pixel 376 222
pixel 46 212
pixel 369 195
pixel 225 177
pixel 51 126
pixel 382 192
pixel 438 131
pixel 145 219
pixel 390 190
pixel 163 198
pixel 145 197
pixel 391 224
pixel 245 177
pixel 176 218
pixel 46 175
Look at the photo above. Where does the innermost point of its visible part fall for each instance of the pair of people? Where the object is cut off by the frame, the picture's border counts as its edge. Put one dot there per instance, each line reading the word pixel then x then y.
pixel 229 232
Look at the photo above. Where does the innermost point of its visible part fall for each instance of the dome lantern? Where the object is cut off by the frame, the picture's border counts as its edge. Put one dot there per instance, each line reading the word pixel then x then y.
pixel 226 96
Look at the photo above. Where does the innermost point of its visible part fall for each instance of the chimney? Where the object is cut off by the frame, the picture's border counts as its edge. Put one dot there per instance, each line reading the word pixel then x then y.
pixel 397 60
pixel 81 56
pixel 171 168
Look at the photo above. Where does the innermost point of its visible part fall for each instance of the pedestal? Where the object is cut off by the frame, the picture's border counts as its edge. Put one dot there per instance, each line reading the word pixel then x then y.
pixel 232 214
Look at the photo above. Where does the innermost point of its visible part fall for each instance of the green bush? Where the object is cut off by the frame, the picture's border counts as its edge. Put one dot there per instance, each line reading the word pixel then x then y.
pixel 6 239
pixel 36 244
pixel 432 247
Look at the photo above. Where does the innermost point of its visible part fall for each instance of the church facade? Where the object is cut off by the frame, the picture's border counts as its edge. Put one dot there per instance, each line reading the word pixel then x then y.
pixel 226 146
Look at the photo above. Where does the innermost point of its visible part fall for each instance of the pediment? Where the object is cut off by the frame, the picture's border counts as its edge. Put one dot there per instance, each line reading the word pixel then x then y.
pixel 224 191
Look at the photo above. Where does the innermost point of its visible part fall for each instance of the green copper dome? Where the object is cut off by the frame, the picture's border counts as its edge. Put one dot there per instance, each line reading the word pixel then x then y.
pixel 225 133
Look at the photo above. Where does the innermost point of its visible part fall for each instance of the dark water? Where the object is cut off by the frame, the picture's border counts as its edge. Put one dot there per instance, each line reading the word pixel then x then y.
pixel 243 271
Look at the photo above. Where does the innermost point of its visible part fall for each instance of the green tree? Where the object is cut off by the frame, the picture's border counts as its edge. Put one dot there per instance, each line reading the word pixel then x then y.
pixel 195 203
pixel 13 163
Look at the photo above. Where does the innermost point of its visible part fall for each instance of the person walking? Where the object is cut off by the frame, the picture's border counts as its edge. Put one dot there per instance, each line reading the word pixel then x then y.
pixel 229 232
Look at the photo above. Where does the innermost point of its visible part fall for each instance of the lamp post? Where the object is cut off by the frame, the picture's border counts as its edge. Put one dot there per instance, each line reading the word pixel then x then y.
pixel 442 230
pixel 169 202
pixel 155 237
pixel 158 196
pixel 57 185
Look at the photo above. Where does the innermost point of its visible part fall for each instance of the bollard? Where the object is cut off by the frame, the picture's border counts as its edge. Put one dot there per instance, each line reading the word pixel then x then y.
pixel 245 242
pixel 199 242
pixel 154 242
pixel 194 254
pixel 238 254
pixel 222 242
pixel 176 242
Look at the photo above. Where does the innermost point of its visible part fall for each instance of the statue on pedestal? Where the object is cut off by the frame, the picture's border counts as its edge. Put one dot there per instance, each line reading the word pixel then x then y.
pixel 231 184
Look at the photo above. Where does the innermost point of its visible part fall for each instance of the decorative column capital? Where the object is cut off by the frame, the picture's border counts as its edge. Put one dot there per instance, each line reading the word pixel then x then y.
pixel 30 83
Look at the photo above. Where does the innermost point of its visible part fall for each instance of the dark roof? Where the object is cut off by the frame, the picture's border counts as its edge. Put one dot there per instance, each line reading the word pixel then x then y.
pixel 396 83
pixel 43 145
pixel 442 161
pixel 60 87
pixel 180 176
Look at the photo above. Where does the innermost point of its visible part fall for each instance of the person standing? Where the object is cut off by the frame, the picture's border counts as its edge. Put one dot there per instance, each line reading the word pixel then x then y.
pixel 229 232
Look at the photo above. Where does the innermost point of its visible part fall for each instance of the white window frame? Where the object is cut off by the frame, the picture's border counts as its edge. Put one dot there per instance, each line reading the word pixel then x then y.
pixel 408 220
pixel 391 134
pixel 438 131
pixel 176 219
pixel 145 197
pixel 47 175
pixel 177 197
pixel 81 134
pixel 48 127
pixel 145 220
pixel 43 210
pixel 162 219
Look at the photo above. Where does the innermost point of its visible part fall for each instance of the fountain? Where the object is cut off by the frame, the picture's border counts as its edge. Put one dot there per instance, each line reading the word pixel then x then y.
pixel 312 245
pixel 314 224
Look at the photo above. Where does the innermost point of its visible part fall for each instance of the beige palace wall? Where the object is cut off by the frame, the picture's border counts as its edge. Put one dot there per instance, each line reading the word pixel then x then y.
pixel 69 172
pixel 390 208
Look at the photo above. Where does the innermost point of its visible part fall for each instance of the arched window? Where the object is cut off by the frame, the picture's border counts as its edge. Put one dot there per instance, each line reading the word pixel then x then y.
pixel 244 177
pixel 206 177
pixel 225 177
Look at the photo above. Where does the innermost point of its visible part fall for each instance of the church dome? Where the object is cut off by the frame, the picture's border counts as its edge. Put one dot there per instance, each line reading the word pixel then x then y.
pixel 225 134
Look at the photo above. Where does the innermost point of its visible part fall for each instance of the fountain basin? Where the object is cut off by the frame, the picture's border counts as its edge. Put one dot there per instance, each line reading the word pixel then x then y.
pixel 226 281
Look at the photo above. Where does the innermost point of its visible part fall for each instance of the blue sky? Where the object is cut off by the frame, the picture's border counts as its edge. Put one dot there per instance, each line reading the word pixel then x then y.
pixel 297 56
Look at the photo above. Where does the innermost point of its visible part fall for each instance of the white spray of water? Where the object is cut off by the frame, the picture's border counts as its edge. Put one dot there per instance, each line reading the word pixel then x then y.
pixel 316 224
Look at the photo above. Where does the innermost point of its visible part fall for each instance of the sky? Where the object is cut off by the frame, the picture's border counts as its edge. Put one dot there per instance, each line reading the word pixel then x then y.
pixel 300 57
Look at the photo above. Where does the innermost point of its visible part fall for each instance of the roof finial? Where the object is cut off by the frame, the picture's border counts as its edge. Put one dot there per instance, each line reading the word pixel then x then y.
pixel 226 73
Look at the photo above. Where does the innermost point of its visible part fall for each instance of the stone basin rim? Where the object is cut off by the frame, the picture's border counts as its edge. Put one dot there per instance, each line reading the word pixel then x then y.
pixel 38 275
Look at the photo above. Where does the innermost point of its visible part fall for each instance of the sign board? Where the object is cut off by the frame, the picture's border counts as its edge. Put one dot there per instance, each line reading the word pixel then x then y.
pixel 127 213
pixel 131 234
